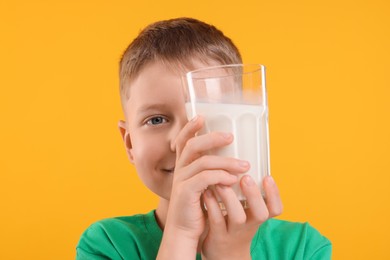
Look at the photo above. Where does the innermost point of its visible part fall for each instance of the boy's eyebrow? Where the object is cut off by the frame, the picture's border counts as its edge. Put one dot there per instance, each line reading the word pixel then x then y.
pixel 148 107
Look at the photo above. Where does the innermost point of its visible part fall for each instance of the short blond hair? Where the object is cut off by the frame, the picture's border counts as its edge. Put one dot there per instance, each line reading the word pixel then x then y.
pixel 175 41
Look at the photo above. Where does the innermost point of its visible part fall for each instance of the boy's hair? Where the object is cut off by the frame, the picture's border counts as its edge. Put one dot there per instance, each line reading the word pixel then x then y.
pixel 175 42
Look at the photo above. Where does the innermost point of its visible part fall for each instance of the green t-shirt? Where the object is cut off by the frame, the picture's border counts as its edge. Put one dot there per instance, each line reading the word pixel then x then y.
pixel 139 237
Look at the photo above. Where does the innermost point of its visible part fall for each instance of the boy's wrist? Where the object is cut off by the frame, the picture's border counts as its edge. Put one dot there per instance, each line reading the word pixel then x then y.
pixel 184 237
pixel 177 244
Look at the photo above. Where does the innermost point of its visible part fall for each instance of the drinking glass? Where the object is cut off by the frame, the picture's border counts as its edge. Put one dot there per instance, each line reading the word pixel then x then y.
pixel 232 98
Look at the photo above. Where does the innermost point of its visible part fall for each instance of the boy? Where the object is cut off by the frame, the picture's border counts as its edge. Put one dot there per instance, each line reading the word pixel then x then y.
pixel 172 162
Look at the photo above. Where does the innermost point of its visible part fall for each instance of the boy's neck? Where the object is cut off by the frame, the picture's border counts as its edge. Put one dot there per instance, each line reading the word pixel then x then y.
pixel 161 212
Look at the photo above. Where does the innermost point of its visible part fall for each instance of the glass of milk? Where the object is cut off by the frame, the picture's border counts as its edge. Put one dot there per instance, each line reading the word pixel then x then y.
pixel 232 98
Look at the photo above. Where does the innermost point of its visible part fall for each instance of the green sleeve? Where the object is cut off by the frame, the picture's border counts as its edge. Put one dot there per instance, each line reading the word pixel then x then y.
pixel 324 252
pixel 84 255
pixel 284 240
pixel 317 246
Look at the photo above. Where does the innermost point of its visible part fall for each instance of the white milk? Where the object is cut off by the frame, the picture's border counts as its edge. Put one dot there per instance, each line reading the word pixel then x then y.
pixel 248 124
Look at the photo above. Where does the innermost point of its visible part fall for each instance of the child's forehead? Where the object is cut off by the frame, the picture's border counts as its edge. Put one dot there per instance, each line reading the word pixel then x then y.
pixel 156 90
pixel 154 82
pixel 174 67
pixel 155 70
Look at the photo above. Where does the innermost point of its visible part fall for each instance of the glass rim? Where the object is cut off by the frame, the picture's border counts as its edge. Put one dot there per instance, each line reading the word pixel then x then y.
pixel 256 67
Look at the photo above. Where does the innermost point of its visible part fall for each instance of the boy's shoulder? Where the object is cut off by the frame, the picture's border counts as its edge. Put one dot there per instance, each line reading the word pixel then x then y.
pixel 286 226
pixel 120 236
pixel 285 239
pixel 124 225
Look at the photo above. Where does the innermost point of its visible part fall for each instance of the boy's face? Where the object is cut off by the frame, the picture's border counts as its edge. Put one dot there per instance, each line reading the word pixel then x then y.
pixel 155 114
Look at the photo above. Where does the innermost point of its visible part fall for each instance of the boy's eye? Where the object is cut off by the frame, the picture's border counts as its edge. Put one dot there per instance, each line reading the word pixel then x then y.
pixel 156 120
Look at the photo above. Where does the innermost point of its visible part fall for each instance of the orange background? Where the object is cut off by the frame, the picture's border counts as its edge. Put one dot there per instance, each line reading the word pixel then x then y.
pixel 62 163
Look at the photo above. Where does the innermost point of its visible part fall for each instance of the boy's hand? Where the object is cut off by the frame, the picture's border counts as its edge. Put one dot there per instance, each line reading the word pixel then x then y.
pixel 230 236
pixel 194 172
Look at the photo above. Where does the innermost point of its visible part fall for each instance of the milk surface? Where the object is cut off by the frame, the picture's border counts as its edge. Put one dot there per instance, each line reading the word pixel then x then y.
pixel 248 124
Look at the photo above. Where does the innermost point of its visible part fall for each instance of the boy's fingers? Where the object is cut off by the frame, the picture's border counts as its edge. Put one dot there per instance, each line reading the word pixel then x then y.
pixel 199 145
pixel 273 200
pixel 213 162
pixel 188 131
pixel 214 213
pixel 257 211
pixel 203 180
pixel 236 216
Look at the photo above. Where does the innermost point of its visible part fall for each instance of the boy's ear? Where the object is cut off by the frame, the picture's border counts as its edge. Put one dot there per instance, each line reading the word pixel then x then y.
pixel 126 139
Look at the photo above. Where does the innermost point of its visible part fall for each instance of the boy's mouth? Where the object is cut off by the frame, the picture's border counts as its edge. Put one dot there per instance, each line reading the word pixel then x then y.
pixel 169 170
